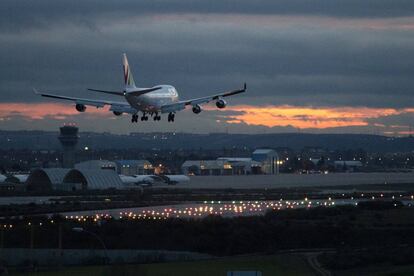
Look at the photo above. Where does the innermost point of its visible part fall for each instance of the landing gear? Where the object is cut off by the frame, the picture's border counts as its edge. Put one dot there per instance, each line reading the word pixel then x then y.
pixel 134 118
pixel 171 117
pixel 144 117
pixel 154 115
pixel 157 117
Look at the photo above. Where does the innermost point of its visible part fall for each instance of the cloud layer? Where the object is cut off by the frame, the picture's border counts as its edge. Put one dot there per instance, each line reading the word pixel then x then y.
pixel 296 56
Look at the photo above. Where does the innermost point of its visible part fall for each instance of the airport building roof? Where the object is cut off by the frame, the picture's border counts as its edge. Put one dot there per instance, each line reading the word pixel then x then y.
pixel 264 155
pixel 236 159
pixel 205 164
pixel 264 151
pixel 132 162
pixel 46 179
pixel 93 179
pixel 17 178
pixel 96 164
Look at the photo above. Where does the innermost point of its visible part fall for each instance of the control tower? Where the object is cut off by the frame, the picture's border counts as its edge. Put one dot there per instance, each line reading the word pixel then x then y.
pixel 69 139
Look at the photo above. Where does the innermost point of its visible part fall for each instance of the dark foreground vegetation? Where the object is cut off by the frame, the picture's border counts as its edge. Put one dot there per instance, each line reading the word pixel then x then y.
pixel 385 225
pixel 349 258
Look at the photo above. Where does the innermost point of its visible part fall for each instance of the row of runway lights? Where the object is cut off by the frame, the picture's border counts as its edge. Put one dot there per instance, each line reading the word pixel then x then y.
pixel 226 209
pixel 234 208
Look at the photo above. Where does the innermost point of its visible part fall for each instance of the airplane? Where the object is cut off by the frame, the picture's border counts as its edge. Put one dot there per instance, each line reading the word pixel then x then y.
pixel 153 101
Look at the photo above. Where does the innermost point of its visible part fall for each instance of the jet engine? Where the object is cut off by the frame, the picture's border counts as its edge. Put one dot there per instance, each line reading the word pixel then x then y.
pixel 221 103
pixel 117 113
pixel 80 107
pixel 197 109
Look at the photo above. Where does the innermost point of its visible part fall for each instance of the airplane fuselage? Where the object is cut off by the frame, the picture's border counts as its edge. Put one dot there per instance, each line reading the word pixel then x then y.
pixel 153 101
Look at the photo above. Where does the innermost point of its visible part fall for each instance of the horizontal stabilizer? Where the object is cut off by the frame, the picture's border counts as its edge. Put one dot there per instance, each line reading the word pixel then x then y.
pixel 107 92
pixel 143 91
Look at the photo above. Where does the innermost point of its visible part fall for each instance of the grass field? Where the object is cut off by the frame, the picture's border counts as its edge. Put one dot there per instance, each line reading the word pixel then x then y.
pixel 288 264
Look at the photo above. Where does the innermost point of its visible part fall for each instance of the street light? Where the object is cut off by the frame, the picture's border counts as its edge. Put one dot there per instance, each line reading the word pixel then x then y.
pixel 80 230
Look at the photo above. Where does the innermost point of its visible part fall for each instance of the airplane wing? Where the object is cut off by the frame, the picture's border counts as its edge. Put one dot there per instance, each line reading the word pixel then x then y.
pixel 115 106
pixel 182 104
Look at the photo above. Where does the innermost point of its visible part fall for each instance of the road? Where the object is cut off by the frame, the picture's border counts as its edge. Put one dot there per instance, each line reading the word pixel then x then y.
pixel 316 265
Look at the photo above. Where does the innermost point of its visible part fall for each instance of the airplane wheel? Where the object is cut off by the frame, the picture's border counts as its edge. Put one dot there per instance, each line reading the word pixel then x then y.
pixel 171 117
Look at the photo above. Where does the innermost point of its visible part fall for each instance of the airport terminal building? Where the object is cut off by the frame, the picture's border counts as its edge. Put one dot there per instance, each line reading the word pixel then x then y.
pixel 263 161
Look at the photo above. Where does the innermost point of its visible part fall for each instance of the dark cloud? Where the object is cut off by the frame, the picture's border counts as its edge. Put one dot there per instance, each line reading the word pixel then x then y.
pixel 404 120
pixel 22 14
pixel 302 53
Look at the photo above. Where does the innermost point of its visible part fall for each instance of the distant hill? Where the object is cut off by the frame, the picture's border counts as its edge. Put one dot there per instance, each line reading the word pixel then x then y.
pixel 42 140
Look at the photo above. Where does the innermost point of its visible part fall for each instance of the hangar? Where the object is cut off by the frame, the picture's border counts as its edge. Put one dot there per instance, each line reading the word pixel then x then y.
pixel 46 179
pixel 84 179
pixel 73 179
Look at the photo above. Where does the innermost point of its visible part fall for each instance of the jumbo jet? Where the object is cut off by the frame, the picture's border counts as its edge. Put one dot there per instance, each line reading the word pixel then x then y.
pixel 154 101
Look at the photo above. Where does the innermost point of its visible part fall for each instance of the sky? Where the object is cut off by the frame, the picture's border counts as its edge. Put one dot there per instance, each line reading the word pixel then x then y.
pixel 320 66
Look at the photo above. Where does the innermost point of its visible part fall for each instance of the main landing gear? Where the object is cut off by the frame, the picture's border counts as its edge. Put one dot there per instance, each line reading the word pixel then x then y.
pixel 134 118
pixel 155 116
pixel 171 117
pixel 144 117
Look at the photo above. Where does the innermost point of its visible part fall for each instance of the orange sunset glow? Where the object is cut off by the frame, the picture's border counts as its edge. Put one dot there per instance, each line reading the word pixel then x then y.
pixel 269 116
pixel 309 117
pixel 38 111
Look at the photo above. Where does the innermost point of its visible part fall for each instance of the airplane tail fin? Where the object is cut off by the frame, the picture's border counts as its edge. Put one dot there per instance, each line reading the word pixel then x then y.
pixel 128 78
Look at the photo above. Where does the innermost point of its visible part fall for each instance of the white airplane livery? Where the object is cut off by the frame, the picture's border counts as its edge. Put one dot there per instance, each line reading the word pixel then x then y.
pixel 154 101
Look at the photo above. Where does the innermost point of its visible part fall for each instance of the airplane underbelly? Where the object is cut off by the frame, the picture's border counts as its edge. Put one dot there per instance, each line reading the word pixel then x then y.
pixel 149 104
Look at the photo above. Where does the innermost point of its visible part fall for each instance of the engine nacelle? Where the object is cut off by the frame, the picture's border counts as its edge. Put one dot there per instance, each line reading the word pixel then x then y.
pixel 80 107
pixel 117 113
pixel 197 109
pixel 221 103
